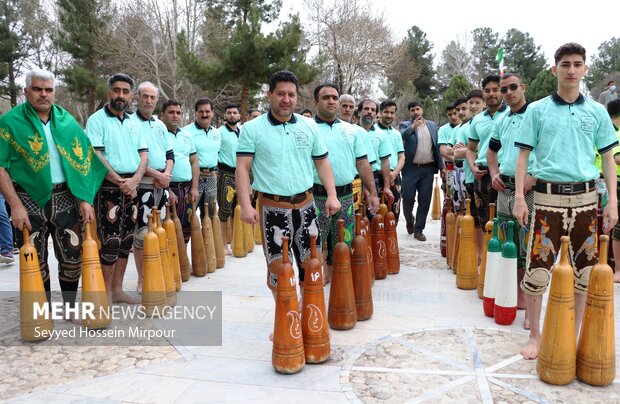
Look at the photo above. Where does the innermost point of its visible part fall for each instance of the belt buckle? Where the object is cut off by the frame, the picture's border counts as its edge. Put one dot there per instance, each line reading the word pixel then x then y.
pixel 567 188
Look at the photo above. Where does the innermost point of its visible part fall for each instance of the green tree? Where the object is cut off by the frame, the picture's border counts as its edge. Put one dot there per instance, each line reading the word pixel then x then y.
pixel 420 49
pixel 606 61
pixel 19 35
pixel 522 55
pixel 249 56
pixel 484 52
pixel 84 35
pixel 542 86
pixel 435 109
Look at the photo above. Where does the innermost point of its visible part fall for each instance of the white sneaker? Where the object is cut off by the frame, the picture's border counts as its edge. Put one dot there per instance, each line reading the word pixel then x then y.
pixel 7 258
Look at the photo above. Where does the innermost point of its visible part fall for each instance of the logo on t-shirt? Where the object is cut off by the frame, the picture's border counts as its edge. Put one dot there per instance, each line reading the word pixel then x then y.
pixel 587 125
pixel 301 139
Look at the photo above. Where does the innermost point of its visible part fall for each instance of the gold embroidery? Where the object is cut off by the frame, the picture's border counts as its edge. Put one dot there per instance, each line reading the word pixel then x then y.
pixel 82 168
pixel 36 144
pixel 77 149
pixel 35 164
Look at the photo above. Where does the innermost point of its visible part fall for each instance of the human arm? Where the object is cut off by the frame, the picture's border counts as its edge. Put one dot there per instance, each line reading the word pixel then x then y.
pixel 326 175
pixel 368 179
pixel 520 210
pixel 242 179
pixel 19 214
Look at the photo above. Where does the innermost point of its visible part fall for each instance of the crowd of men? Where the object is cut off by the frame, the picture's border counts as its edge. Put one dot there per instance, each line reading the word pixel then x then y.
pixel 536 161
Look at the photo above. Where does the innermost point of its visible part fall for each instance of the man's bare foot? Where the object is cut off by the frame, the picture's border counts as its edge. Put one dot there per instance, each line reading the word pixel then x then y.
pixel 227 251
pixel 617 277
pixel 530 350
pixel 122 297
pixel 526 323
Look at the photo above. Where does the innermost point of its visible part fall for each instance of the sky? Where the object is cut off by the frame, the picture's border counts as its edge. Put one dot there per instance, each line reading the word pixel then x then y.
pixel 549 23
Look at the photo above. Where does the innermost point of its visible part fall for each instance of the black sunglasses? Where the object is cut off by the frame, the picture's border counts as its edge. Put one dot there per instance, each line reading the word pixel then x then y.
pixel 512 87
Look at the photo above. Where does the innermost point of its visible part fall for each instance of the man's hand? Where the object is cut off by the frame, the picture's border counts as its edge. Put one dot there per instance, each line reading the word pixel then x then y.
pixel 87 212
pixel 520 211
pixel 389 196
pixel 249 214
pixel 529 183
pixel 128 186
pixel 497 182
pixel 173 199
pixel 373 203
pixel 193 195
pixel 19 217
pixel 332 205
pixel 162 180
pixel 610 217
pixel 478 173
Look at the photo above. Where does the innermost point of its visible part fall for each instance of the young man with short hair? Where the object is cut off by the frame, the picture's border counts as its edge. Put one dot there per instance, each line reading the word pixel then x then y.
pixel 565 199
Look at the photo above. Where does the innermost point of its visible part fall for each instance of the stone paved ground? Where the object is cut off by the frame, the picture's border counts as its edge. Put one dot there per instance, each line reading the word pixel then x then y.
pixel 427 341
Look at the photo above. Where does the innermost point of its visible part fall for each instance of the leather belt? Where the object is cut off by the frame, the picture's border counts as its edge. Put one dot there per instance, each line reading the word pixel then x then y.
pixel 509 181
pixel 340 190
pixel 208 170
pixel 422 165
pixel 565 188
pixel 297 198
pixel 226 167
pixel 62 185
pixel 179 184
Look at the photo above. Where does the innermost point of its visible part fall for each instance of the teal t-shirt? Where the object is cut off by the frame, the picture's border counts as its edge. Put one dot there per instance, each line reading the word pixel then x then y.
pixel 396 141
pixel 370 150
pixel 207 143
pixel 120 141
pixel 446 133
pixel 505 132
pixel 480 131
pixel 228 147
pixel 183 145
pixel 345 147
pixel 154 132
pixel 565 137
pixel 461 135
pixel 58 176
pixel 381 145
pixel 283 153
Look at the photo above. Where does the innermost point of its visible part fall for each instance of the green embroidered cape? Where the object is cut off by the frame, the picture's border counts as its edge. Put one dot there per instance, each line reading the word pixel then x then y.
pixel 24 153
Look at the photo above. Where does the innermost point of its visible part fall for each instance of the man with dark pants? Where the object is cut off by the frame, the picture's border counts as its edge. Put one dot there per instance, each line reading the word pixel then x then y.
pixel 226 188
pixel 565 199
pixel 49 175
pixel 120 145
pixel 422 162
pixel 347 156
pixel 283 149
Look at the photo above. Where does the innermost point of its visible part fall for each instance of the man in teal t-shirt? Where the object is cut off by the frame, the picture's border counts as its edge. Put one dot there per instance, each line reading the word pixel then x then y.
pixel 226 188
pixel 207 141
pixel 153 188
pixel 501 149
pixel 186 170
pixel 397 155
pixel 459 193
pixel 348 158
pixel 122 148
pixel 478 143
pixel 564 131
pixel 282 149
